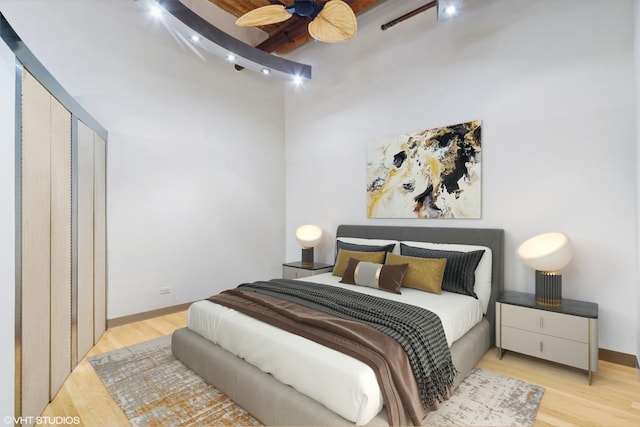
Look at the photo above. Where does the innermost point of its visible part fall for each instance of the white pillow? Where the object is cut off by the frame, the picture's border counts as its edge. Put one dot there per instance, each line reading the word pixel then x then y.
pixel 482 285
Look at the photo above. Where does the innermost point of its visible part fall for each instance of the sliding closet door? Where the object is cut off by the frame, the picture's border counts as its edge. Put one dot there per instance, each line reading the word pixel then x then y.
pixel 92 238
pixel 85 293
pixel 61 250
pixel 100 236
pixel 60 245
pixel 36 253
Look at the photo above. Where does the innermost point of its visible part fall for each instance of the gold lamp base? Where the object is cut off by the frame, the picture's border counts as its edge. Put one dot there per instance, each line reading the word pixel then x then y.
pixel 549 288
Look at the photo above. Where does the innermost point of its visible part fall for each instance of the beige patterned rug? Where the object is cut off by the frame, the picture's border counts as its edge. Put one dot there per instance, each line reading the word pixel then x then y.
pixel 155 389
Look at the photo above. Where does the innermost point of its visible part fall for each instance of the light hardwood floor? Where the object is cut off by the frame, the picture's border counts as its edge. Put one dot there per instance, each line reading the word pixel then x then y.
pixel 613 399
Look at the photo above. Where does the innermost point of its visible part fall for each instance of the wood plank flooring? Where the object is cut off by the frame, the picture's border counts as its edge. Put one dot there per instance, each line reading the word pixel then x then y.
pixel 613 399
pixel 83 394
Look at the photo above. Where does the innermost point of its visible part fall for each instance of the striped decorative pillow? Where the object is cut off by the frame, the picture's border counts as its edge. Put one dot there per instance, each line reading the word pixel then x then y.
pixel 343 259
pixel 459 272
pixel 381 276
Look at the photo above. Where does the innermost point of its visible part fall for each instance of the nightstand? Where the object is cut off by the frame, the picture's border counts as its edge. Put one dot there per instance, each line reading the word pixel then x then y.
pixel 294 270
pixel 567 334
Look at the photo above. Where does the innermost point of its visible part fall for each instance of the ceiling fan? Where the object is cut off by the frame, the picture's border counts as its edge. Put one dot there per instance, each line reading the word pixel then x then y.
pixel 331 23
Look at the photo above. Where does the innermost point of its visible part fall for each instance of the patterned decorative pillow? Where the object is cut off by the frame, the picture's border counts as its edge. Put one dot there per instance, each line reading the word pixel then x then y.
pixel 382 276
pixel 459 273
pixel 423 273
pixel 344 255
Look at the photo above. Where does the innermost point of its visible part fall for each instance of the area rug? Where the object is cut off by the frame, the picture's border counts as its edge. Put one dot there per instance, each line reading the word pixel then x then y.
pixel 486 398
pixel 155 389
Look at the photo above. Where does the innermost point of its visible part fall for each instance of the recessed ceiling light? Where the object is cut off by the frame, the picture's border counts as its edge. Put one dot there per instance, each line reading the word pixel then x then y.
pixel 203 38
pixel 297 80
pixel 451 10
pixel 156 11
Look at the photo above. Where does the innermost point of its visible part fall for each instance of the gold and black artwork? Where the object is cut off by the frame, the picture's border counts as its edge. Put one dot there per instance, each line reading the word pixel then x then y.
pixel 434 173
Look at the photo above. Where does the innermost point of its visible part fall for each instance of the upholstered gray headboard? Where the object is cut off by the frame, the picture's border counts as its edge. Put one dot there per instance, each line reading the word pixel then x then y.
pixel 490 237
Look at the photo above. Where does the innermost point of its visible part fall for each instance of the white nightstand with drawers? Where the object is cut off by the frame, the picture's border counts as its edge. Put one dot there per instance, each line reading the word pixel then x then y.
pixel 567 334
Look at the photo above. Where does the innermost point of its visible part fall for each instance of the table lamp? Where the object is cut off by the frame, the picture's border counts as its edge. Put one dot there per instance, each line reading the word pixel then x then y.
pixel 308 236
pixel 547 253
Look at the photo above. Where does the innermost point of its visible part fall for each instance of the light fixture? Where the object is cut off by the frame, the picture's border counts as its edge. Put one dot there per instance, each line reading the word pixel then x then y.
pixel 180 19
pixel 266 71
pixel 195 38
pixel 156 11
pixel 231 57
pixel 297 80
pixel 445 9
pixel 308 236
pixel 547 253
pixel 448 9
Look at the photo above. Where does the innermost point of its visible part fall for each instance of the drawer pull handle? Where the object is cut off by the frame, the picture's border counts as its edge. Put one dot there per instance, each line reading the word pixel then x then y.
pixel 541 322
pixel 541 347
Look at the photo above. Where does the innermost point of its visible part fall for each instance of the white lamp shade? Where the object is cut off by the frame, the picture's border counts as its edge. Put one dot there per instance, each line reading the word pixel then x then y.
pixel 308 235
pixel 546 252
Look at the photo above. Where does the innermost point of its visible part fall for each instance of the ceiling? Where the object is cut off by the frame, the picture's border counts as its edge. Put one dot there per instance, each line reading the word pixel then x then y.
pixel 290 34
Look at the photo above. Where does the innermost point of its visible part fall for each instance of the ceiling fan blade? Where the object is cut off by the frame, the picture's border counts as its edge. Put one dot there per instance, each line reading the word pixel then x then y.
pixel 335 23
pixel 264 15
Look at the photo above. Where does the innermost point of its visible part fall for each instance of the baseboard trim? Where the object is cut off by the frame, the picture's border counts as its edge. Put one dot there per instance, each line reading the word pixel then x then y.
pixel 119 321
pixel 617 357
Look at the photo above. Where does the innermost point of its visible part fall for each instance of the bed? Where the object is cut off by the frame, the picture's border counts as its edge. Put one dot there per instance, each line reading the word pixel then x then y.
pixel 274 402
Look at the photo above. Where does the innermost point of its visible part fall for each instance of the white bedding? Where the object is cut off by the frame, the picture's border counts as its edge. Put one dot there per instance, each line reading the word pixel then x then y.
pixel 343 384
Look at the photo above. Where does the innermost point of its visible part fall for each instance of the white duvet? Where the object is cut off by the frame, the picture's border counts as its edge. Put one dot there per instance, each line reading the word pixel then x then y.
pixel 343 384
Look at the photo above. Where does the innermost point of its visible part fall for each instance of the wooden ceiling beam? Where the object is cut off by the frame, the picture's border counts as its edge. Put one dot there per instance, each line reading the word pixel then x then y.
pixel 288 35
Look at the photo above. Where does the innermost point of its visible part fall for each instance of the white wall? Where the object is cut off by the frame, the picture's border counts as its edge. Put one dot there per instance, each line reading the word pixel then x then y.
pixel 7 228
pixel 195 152
pixel 551 80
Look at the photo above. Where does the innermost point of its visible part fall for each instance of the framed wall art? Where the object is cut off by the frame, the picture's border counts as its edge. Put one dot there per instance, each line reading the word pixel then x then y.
pixel 433 173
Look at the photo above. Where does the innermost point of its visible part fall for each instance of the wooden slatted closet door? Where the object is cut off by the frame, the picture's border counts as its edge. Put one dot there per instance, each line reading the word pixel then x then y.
pixel 60 245
pixel 36 254
pixel 100 237
pixel 46 246
pixel 85 218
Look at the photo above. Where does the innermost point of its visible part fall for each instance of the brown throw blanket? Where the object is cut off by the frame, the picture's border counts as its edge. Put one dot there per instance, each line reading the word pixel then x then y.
pixel 382 353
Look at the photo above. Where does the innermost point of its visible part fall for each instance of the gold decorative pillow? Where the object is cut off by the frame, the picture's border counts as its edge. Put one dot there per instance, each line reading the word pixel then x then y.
pixel 343 259
pixel 423 273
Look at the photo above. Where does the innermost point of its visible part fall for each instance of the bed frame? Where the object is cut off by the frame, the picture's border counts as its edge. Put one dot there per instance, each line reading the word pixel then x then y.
pixel 275 403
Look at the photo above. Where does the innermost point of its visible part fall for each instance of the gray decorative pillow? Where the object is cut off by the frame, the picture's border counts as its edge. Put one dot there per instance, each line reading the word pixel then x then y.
pixel 363 248
pixel 460 270
pixel 382 276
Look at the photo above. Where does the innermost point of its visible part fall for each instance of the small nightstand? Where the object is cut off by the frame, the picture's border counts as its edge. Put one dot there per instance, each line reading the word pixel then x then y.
pixel 294 270
pixel 567 334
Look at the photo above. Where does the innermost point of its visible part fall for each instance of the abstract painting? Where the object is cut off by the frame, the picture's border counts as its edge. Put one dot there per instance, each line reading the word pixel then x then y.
pixel 434 173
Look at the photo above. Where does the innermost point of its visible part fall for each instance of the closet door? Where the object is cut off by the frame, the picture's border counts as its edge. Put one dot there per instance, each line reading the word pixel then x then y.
pixel 36 253
pixel 100 236
pixel 60 245
pixel 86 315
pixel 92 253
pixel 61 288
pixel 46 245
